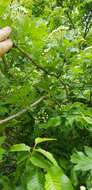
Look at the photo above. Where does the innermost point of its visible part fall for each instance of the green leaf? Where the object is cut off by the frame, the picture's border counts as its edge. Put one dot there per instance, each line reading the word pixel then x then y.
pixel 36 180
pixel 20 147
pixel 40 140
pixel 52 122
pixel 2 140
pixel 3 5
pixel 48 155
pixel 38 160
pixel 2 152
pixel 3 110
pixel 88 151
pixel 57 180
pixel 88 48
pixel 82 161
pixel 87 119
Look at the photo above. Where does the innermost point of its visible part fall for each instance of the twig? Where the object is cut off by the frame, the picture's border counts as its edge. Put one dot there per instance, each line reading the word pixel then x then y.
pixel 41 68
pixel 22 111
pixel 65 88
pixel 88 24
pixel 70 19
pixel 5 68
pixel 30 58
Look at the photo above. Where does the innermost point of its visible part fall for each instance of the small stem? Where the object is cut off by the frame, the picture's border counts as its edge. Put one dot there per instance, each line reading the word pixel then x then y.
pixel 22 111
pixel 69 18
pixel 41 68
pixel 5 68
pixel 30 58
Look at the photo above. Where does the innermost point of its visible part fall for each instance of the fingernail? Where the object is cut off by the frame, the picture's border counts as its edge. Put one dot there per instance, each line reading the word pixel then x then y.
pixel 8 29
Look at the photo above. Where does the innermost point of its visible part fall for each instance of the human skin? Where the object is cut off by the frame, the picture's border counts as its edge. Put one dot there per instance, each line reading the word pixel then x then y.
pixel 5 42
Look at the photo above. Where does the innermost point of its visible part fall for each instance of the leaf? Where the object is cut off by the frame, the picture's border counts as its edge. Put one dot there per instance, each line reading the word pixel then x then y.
pixel 3 110
pixel 36 180
pixel 38 160
pixel 2 140
pixel 22 156
pixel 2 152
pixel 82 161
pixel 52 122
pixel 20 147
pixel 88 48
pixel 88 119
pixel 3 5
pixel 48 155
pixel 88 151
pixel 57 180
pixel 40 140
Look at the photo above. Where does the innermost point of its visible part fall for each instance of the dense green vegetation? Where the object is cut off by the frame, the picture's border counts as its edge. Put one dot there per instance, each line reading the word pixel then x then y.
pixel 46 95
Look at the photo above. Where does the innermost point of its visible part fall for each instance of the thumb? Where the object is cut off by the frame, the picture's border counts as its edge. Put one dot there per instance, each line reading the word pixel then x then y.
pixel 5 46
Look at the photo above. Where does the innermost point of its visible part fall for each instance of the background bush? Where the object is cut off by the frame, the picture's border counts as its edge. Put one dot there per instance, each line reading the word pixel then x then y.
pixel 50 65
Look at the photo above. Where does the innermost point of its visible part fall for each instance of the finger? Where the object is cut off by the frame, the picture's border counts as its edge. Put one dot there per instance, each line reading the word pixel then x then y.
pixel 4 33
pixel 5 46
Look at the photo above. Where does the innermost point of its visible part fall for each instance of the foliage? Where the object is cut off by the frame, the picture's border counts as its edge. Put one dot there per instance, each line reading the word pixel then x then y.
pixel 46 95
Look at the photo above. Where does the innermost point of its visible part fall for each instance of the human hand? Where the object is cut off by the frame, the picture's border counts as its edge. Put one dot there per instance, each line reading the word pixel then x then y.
pixel 5 43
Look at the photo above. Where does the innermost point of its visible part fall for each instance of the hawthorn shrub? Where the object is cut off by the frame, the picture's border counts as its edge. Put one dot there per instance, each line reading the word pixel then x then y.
pixel 46 96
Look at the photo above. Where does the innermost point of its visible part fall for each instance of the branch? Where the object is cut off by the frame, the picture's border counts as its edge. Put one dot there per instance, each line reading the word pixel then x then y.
pixel 65 88
pixel 5 65
pixel 26 54
pixel 30 58
pixel 88 24
pixel 81 100
pixel 22 111
pixel 70 19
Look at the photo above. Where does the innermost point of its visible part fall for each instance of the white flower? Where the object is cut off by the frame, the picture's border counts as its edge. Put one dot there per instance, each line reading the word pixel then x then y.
pixel 82 188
